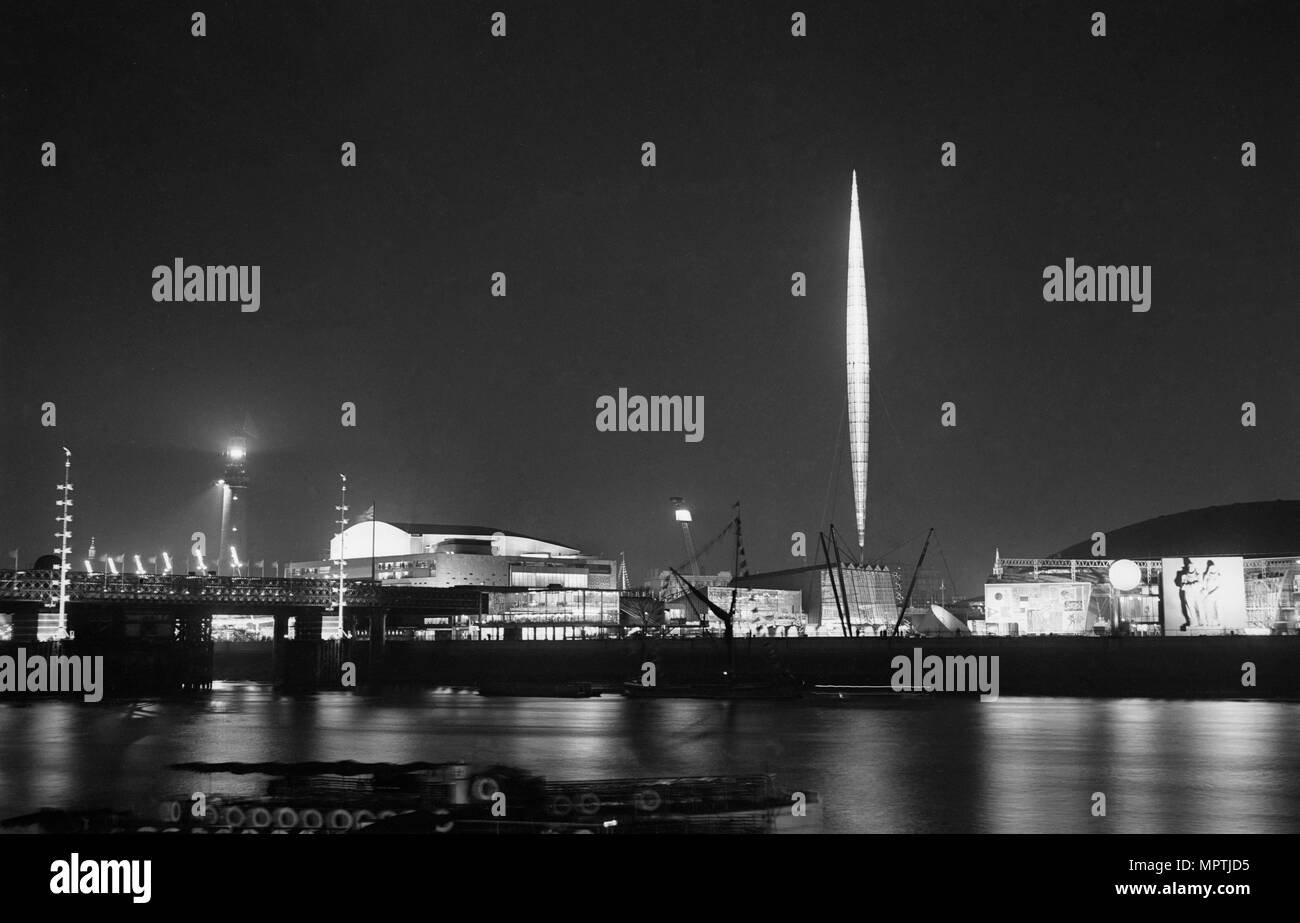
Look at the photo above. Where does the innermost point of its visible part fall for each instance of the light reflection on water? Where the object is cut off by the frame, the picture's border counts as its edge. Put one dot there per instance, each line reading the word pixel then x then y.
pixel 1016 765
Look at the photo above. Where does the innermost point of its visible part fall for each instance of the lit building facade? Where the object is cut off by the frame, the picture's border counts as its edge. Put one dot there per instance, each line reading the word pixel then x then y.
pixel 873 597
pixel 435 555
pixel 759 612
pixel 1171 596
pixel 531 589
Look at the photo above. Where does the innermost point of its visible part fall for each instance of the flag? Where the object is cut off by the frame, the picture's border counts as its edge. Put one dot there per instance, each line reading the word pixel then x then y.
pixel 368 515
pixel 259 564
pixel 275 563
pixel 153 559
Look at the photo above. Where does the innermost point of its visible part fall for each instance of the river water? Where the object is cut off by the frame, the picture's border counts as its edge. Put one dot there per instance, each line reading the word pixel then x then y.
pixel 1015 765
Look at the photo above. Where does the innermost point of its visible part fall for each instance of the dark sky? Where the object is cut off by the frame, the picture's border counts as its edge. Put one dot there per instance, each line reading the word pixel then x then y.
pixel 523 155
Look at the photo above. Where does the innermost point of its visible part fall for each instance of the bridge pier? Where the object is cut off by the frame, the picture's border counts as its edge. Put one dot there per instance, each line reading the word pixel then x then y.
pixel 378 637
pixel 308 661
pixel 33 623
pixel 279 653
pixel 307 626
pixel 193 633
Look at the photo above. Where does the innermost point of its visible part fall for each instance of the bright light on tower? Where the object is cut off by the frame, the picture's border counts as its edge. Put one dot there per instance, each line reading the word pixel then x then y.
pixel 167 563
pixel 234 479
pixel 859 367
pixel 682 513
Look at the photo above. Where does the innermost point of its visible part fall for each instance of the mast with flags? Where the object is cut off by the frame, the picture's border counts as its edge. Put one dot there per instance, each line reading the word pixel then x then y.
pixel 369 516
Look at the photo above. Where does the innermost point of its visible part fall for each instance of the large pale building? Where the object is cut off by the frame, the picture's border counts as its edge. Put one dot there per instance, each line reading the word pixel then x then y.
pixel 438 555
pixel 532 589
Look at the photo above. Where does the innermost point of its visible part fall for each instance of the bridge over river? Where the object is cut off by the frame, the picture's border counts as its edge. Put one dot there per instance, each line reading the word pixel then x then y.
pixel 162 624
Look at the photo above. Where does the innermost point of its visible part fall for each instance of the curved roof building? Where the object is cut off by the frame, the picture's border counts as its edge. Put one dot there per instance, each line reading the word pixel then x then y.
pixel 379 539
pixel 1257 529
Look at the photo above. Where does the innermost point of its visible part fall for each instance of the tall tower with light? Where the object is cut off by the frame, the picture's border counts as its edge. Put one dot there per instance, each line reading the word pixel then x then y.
pixel 233 545
pixel 859 368
pixel 682 513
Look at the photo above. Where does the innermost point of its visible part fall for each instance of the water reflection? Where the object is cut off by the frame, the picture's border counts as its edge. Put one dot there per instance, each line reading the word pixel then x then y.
pixel 1017 765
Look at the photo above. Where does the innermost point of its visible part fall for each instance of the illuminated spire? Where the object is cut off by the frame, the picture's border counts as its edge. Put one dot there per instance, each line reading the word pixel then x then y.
pixel 859 368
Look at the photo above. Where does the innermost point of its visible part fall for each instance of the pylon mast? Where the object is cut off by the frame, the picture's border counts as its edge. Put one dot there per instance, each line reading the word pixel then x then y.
pixel 859 369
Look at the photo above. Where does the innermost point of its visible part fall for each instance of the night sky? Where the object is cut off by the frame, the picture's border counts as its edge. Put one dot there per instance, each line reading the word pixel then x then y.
pixel 523 155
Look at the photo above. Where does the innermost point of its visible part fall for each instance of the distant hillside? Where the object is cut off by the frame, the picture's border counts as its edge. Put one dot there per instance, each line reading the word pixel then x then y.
pixel 1260 529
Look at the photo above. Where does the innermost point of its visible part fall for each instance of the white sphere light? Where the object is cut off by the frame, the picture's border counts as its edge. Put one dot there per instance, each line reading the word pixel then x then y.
pixel 1125 575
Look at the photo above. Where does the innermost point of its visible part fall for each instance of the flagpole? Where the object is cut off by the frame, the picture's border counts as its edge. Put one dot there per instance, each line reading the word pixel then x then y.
pixel 374 514
pixel 343 526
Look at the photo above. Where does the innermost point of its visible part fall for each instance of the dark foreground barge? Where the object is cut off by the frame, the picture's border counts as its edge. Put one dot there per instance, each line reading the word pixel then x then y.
pixel 452 798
